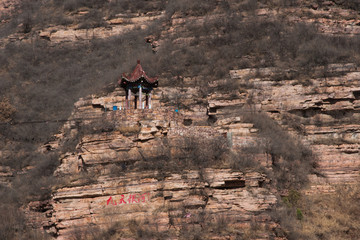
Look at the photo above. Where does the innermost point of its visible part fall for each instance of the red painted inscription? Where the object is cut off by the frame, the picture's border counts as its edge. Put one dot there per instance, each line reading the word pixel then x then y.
pixel 132 198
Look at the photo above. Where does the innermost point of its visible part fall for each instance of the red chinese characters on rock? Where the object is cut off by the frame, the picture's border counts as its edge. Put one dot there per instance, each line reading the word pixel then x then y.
pixel 133 198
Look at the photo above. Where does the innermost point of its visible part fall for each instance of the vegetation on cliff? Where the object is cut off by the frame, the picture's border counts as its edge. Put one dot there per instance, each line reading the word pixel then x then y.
pixel 41 81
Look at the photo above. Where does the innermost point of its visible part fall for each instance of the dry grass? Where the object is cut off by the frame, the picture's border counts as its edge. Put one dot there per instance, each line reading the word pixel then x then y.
pixel 332 216
pixel 320 216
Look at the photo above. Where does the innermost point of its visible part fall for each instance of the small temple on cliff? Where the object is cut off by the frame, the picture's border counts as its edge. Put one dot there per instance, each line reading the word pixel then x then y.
pixel 138 84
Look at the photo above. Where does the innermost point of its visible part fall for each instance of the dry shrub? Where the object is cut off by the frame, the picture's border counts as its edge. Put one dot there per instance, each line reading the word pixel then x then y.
pixel 201 152
pixel 291 160
pixel 97 126
pixel 140 230
pixel 351 4
pixel 265 42
pixel 321 51
pixel 71 5
pixel 93 19
pixel 321 215
pixel 74 134
pixel 36 183
pixel 7 111
pixel 187 153
pixel 13 223
pixel 188 7
pixel 201 225
pixel 334 215
pixel 245 158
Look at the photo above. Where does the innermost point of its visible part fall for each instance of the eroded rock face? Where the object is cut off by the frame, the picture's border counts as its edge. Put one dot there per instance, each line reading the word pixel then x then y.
pixel 99 187
pixel 323 111
pixel 142 197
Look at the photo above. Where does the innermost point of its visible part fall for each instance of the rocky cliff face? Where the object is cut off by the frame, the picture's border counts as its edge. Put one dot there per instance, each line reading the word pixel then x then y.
pixel 322 112
pixel 166 204
pixel 102 182
pixel 100 187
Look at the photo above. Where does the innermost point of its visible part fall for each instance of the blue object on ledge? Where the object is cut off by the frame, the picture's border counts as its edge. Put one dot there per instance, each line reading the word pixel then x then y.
pixel 115 108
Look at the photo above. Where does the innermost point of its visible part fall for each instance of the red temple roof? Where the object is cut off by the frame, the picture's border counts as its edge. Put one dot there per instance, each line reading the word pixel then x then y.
pixel 137 74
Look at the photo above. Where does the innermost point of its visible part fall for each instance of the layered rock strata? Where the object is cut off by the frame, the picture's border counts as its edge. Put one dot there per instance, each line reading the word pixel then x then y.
pixel 176 199
pixel 323 111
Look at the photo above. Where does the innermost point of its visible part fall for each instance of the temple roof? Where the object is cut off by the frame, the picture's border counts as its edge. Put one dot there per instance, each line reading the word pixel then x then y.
pixel 137 74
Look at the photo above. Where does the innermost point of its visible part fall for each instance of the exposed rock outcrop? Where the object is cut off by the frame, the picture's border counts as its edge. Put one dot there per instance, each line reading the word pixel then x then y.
pixel 100 186
pixel 178 198
pixel 323 111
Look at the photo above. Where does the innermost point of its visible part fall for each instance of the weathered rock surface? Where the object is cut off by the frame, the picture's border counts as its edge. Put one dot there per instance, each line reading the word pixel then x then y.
pixel 98 168
pixel 236 195
pixel 324 112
